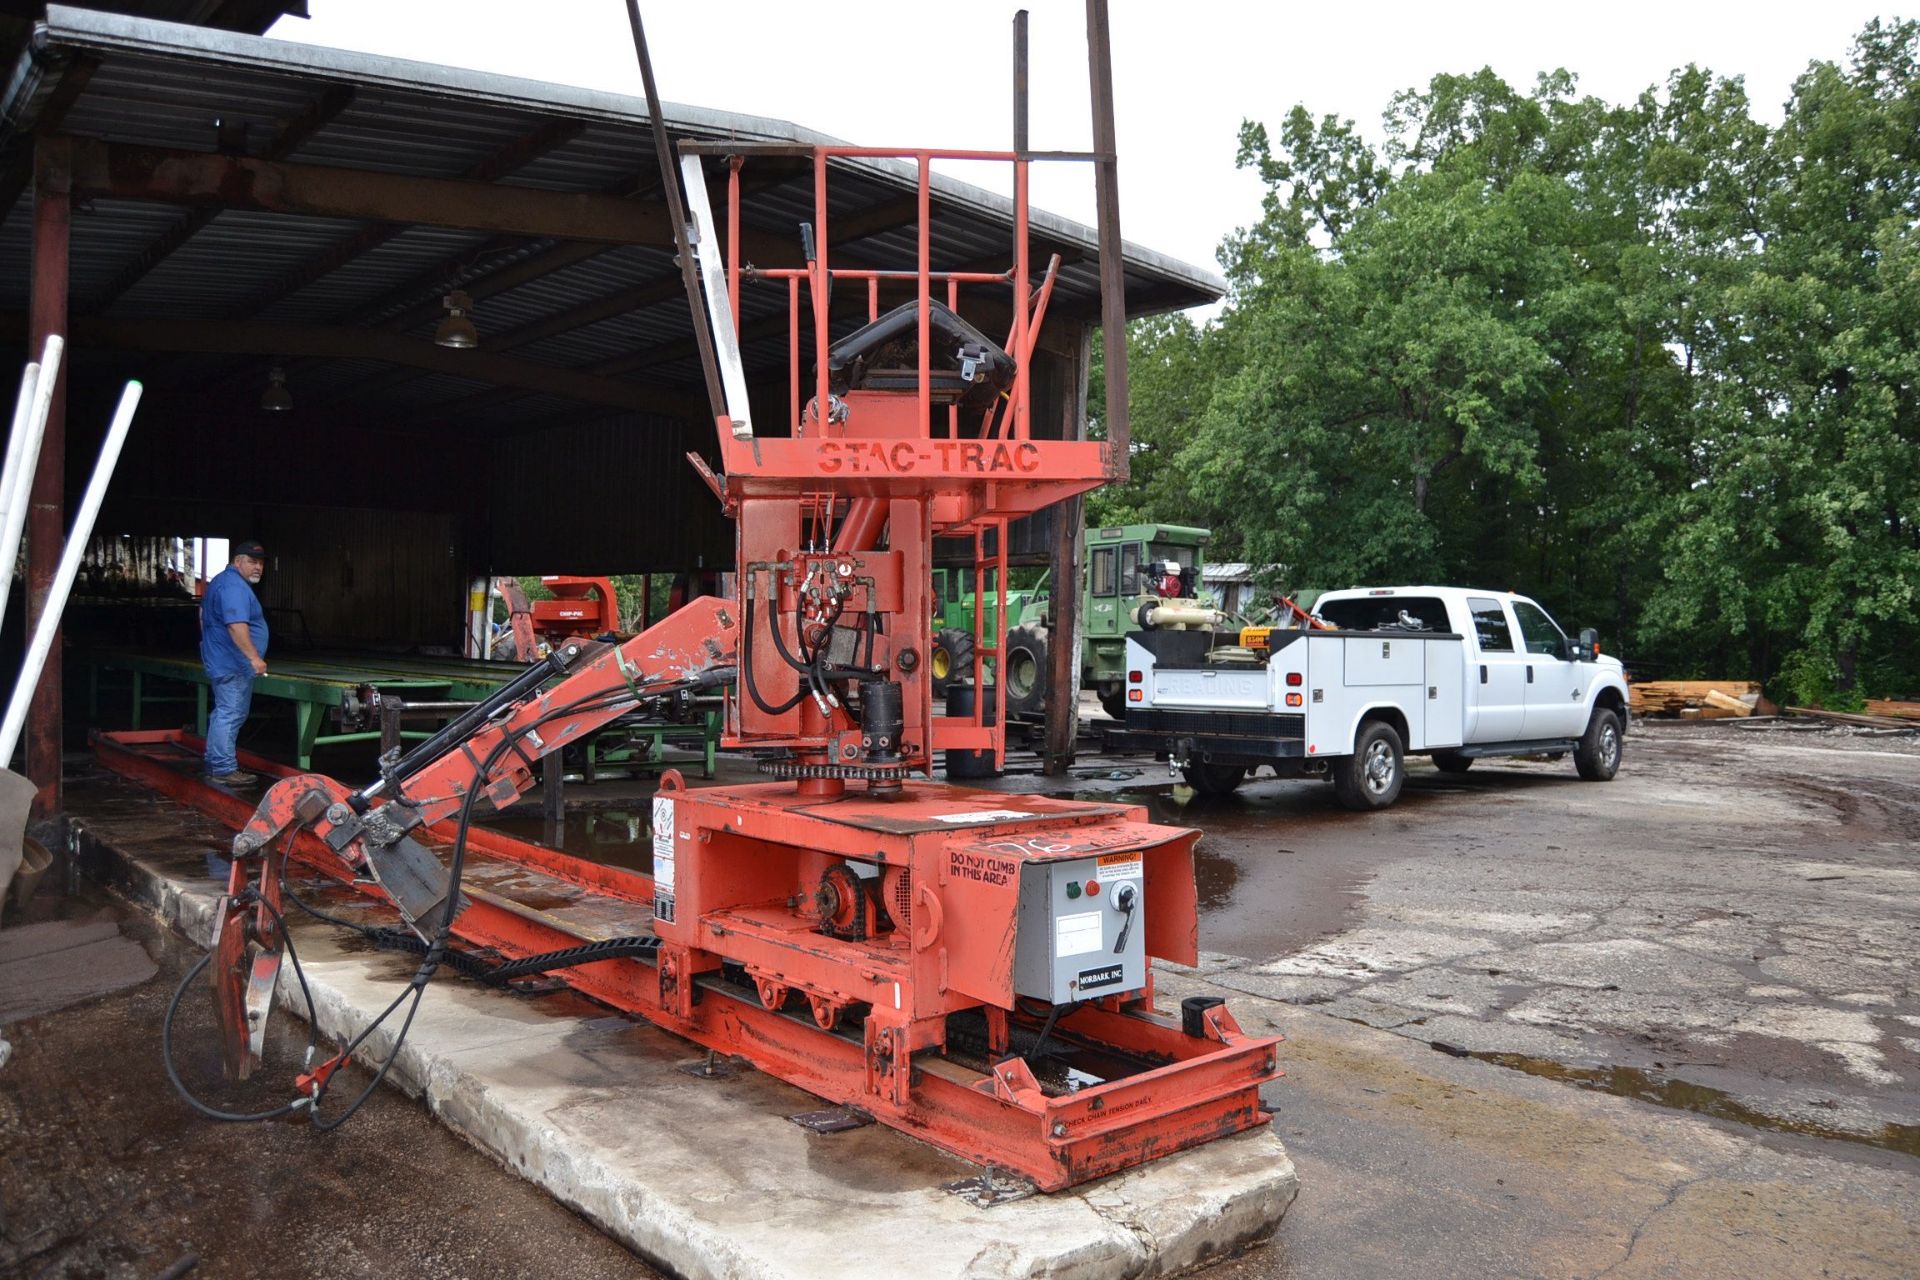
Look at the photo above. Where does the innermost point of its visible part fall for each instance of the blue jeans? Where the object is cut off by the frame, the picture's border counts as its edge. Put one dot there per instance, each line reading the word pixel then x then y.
pixel 232 699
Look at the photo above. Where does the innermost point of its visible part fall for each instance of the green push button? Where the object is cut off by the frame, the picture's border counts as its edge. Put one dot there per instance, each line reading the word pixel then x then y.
pixel 1073 888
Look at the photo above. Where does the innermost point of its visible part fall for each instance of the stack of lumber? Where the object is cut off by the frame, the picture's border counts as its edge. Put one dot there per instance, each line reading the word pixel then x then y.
pixel 1695 699
pixel 1909 723
pixel 1893 710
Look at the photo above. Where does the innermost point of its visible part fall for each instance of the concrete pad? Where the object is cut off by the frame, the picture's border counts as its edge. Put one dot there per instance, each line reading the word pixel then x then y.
pixel 708 1178
pixel 48 966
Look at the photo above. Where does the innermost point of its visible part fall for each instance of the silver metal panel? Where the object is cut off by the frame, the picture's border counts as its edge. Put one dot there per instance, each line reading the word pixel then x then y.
pixel 1079 933
pixel 713 275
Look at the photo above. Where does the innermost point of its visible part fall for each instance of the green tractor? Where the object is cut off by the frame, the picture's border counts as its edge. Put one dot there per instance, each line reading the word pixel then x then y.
pixel 1127 566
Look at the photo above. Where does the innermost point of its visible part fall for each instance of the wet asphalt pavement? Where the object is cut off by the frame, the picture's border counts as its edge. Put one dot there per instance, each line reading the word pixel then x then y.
pixel 1730 926
pixel 1675 1013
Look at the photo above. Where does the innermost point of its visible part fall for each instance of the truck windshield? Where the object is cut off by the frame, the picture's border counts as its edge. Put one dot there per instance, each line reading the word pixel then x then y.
pixel 1183 556
pixel 1386 613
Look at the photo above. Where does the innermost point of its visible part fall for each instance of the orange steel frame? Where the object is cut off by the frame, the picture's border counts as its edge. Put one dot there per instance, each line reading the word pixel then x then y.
pixel 843 510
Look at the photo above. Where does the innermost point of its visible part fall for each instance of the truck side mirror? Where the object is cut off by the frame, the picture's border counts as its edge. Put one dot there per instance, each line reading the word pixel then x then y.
pixel 1588 647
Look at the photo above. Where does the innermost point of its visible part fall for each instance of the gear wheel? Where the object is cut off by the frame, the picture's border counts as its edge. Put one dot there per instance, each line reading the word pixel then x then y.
pixel 841 901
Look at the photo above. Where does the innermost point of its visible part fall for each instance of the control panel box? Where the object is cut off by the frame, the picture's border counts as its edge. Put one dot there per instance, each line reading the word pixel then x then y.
pixel 1080 935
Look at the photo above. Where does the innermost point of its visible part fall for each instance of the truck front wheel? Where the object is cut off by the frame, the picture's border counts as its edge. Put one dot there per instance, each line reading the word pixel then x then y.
pixel 1598 755
pixel 1371 777
pixel 1214 780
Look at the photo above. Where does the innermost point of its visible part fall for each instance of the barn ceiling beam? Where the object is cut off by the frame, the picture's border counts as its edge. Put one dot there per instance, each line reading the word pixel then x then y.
pixel 614 304
pixel 418 300
pixel 327 191
pixel 317 116
pixel 515 155
pixel 251 338
pixel 404 307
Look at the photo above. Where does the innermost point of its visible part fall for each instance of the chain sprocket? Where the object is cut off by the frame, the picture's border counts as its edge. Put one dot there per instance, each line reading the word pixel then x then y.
pixel 796 771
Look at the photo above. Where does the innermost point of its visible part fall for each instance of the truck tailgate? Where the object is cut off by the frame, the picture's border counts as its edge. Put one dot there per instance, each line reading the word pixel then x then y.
pixel 1209 687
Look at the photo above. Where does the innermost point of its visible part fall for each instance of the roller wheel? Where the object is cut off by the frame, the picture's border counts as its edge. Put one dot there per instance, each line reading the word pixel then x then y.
pixel 951 659
pixel 1025 663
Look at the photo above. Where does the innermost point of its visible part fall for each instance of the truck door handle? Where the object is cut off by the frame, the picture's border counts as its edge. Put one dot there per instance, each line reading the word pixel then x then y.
pixel 1483 673
pixel 1529 673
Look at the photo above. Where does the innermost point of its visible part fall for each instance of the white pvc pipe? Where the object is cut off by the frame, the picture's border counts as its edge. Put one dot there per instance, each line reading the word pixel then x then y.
pixel 20 494
pixel 70 557
pixel 16 436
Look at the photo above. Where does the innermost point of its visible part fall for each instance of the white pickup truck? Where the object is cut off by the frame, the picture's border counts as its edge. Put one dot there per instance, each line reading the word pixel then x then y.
pixel 1443 671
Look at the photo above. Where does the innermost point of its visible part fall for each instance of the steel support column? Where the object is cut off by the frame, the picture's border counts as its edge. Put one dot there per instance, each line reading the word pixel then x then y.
pixel 1113 274
pixel 1064 570
pixel 46 517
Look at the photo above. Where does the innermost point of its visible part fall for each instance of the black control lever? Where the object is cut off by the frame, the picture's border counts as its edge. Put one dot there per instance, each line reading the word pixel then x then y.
pixel 1125 898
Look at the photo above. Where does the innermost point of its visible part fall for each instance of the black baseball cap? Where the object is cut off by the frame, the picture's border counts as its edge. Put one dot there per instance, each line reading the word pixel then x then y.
pixel 250 548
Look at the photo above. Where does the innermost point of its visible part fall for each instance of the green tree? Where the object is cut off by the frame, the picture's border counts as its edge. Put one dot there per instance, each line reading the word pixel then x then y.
pixel 1651 362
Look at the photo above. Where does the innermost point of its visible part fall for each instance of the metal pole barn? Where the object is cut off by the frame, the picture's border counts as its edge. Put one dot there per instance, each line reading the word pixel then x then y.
pixel 46 519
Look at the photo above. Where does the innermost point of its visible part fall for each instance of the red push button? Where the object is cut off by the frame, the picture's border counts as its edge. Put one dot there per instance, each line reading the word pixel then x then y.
pixel 1093 888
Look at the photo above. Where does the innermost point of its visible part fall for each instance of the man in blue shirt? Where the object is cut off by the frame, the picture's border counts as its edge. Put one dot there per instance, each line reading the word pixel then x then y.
pixel 233 647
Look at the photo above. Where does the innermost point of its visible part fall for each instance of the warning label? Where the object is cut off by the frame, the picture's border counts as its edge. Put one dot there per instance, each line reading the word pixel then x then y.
pixel 1119 866
pixel 663 908
pixel 984 868
pixel 663 848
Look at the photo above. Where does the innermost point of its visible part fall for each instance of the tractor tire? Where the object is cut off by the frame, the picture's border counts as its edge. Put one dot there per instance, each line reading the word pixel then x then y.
pixel 1372 776
pixel 1452 762
pixel 1023 661
pixel 951 659
pixel 1214 781
pixel 1114 703
pixel 1597 757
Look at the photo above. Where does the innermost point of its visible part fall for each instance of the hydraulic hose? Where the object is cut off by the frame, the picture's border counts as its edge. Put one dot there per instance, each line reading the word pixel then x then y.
pixel 429 965
pixel 746 668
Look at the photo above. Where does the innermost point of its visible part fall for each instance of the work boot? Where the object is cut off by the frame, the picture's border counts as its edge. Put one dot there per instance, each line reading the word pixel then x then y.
pixel 235 778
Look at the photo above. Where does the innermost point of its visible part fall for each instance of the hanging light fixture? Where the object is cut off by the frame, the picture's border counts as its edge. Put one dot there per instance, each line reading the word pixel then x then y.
pixel 276 398
pixel 456 330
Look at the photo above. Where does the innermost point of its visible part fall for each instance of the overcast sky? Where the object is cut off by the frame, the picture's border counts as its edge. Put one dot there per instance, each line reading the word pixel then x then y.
pixel 912 73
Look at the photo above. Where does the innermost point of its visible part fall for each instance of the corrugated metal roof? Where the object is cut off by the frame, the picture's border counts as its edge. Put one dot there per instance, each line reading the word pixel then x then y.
pixel 165 85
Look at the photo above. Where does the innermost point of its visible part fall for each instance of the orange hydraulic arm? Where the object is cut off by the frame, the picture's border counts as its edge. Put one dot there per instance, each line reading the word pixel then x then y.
pixel 489 753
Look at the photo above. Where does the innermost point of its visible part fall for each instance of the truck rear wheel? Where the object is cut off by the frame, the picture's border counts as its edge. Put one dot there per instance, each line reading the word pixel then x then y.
pixel 1371 777
pixel 951 659
pixel 1114 702
pixel 1598 756
pixel 1025 664
pixel 1214 780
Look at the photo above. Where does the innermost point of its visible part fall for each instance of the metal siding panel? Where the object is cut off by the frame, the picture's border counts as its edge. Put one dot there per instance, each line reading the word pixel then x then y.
pixel 614 496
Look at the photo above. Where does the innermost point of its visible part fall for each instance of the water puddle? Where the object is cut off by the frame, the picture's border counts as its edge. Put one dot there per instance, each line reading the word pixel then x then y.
pixel 1683 1095
pixel 615 836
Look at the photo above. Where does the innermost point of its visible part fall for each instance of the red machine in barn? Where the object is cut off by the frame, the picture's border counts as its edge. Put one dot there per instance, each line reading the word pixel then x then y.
pixel 971 967
pixel 581 609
